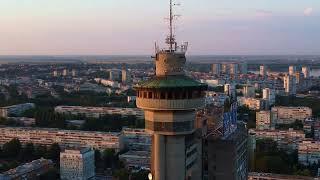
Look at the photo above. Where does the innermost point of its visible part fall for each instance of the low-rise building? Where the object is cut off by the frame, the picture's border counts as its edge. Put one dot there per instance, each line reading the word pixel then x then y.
pixel 15 110
pixel 309 152
pixel 288 115
pixel 96 112
pixel 77 164
pixel 263 120
pixel 30 170
pixel 65 138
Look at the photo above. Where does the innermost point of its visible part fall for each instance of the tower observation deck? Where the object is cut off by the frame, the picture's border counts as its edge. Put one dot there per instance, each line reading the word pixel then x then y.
pixel 170 100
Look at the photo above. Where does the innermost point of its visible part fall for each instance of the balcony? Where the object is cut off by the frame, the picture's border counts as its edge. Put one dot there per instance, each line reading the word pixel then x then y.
pixel 164 104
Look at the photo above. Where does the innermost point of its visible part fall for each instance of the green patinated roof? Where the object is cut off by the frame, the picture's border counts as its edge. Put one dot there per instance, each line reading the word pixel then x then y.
pixel 170 82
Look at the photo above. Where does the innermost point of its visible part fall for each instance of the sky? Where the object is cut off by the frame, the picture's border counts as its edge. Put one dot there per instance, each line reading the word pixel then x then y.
pixel 131 27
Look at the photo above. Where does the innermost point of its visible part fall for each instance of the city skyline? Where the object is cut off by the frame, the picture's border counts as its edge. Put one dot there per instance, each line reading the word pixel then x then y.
pixel 94 27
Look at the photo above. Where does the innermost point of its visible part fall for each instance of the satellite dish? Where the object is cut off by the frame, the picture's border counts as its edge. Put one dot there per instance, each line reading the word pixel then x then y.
pixel 150 176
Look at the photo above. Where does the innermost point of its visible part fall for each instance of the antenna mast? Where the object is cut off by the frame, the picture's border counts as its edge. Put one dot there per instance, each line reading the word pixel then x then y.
pixel 171 31
pixel 170 39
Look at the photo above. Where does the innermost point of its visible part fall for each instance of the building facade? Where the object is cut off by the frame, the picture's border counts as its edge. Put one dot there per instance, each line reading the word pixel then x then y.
pixel 77 164
pixel 288 115
pixel 65 138
pixel 263 120
pixel 286 139
pixel 290 85
pixel 228 157
pixel 96 112
pixel 31 170
pixel 309 152
pixel 269 95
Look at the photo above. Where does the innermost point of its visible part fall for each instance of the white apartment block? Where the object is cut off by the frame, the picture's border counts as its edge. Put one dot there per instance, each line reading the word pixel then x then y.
pixel 309 152
pixel 263 120
pixel 96 112
pixel 288 115
pixel 77 164
pixel 65 138
pixel 288 139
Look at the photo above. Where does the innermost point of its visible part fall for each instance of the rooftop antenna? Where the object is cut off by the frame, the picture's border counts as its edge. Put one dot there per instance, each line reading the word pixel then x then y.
pixel 171 39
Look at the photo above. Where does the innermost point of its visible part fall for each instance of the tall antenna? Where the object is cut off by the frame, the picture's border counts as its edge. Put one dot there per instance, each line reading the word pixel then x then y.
pixel 171 39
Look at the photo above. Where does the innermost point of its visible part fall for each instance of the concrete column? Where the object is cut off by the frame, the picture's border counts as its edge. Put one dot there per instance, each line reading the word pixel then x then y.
pixel 159 160
pixel 175 158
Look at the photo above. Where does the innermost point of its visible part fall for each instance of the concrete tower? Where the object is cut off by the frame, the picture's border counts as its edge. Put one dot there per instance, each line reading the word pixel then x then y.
pixel 170 100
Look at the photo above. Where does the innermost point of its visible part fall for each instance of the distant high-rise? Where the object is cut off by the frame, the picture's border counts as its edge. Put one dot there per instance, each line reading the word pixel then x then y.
pixel 65 72
pixel 290 86
pixel 55 73
pixel 249 91
pixel 263 71
pixel 77 164
pixel 292 70
pixel 269 95
pixel 124 74
pixel 216 69
pixel 299 77
pixel 234 69
pixel 170 100
pixel 114 75
pixel 306 71
pixel 243 66
pixel 225 68
pixel 74 73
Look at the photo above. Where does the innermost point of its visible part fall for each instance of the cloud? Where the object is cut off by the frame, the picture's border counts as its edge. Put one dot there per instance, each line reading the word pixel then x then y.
pixel 308 11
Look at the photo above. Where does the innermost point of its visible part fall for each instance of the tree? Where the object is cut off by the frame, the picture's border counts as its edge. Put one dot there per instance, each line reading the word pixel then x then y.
pixel 12 148
pixel 27 153
pixel 109 157
pixel 54 152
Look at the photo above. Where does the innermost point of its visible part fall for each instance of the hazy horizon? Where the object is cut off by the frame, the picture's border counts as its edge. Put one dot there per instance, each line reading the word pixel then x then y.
pixel 126 27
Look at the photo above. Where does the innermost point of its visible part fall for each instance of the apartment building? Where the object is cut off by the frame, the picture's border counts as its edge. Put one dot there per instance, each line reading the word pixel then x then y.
pixel 136 139
pixel 309 152
pixel 287 139
pixel 77 164
pixel 30 170
pixel 65 138
pixel 96 112
pixel 263 120
pixel 253 103
pixel 16 110
pixel 288 115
